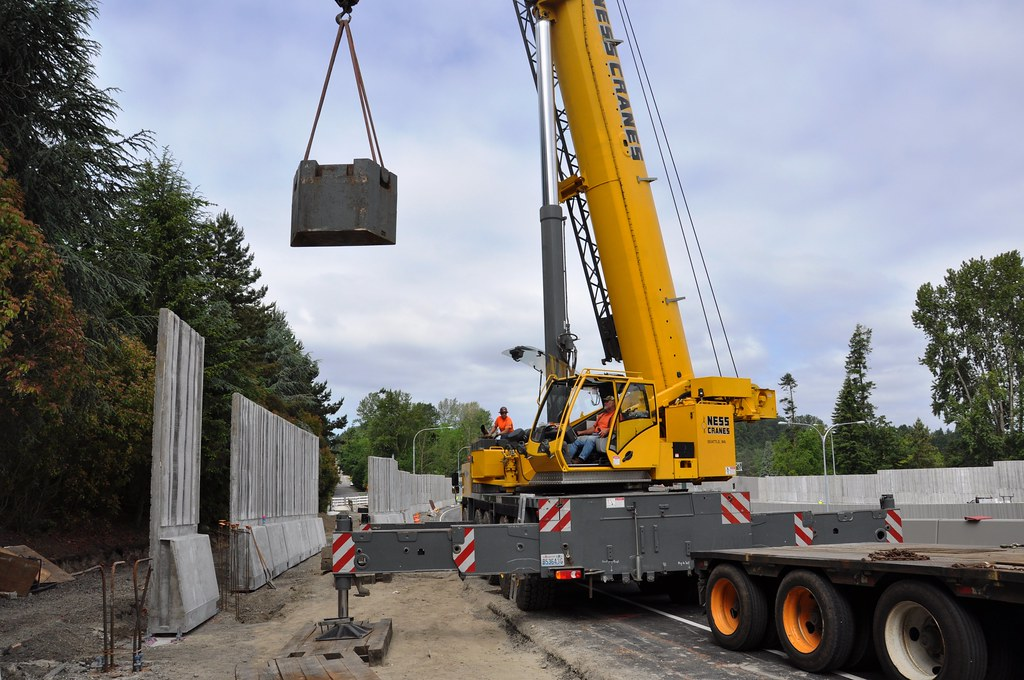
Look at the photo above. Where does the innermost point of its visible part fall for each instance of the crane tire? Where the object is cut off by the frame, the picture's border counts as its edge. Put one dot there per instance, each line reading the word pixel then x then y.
pixel 737 608
pixel 862 656
pixel 815 622
pixel 921 631
pixel 534 593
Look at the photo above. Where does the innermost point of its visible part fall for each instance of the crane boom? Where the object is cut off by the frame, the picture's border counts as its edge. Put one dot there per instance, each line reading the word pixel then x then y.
pixel 667 425
pixel 618 187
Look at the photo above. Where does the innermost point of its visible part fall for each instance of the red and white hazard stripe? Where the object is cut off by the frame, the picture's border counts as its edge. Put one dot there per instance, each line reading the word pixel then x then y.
pixel 343 551
pixel 804 535
pixel 736 508
pixel 465 554
pixel 893 526
pixel 555 515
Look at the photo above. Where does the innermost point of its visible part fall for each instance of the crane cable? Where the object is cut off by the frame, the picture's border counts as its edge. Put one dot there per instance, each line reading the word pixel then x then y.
pixel 371 132
pixel 655 114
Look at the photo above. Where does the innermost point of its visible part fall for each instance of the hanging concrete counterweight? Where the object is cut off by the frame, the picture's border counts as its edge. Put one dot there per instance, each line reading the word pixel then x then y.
pixel 344 205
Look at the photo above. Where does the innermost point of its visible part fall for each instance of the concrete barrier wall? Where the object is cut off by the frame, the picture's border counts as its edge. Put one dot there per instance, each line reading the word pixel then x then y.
pixel 1003 481
pixel 184 583
pixel 275 469
pixel 964 532
pixel 394 496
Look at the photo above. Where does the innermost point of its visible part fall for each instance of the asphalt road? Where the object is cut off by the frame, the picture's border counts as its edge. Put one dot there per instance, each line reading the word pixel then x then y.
pixel 619 632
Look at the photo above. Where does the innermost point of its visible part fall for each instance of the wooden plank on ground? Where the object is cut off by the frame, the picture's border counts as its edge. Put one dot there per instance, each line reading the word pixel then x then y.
pixel 50 572
pixel 17 574
pixel 306 658
pixel 374 646
pixel 315 667
pixel 356 668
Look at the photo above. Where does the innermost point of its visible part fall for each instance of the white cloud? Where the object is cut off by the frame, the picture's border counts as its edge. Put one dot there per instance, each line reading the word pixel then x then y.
pixel 835 156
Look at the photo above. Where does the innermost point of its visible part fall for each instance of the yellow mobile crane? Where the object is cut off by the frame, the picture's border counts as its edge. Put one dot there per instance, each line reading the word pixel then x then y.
pixel 931 611
pixel 532 518
pixel 669 425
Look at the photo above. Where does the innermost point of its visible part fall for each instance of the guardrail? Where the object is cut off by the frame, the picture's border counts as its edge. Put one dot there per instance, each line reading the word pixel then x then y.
pixel 348 503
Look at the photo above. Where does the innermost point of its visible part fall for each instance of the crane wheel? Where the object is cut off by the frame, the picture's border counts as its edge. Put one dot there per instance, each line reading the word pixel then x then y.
pixel 815 622
pixel 532 593
pixel 737 608
pixel 922 632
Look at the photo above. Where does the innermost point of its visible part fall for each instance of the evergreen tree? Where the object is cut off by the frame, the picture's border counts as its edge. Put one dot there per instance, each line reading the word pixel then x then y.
pixel 72 166
pixel 917 449
pixel 856 451
pixel 754 445
pixel 788 384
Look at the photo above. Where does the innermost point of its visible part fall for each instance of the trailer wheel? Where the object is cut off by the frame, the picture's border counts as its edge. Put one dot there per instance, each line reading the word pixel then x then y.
pixel 815 622
pixel 737 608
pixel 532 593
pixel 862 656
pixel 922 632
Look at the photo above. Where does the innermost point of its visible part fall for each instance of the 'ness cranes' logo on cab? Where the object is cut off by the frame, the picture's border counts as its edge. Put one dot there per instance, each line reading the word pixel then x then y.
pixel 716 424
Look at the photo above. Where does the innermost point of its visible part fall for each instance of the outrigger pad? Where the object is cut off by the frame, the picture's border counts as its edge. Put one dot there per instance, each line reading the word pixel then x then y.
pixel 344 205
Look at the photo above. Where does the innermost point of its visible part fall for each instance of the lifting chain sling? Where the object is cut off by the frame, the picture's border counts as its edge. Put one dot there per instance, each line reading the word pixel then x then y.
pixel 344 20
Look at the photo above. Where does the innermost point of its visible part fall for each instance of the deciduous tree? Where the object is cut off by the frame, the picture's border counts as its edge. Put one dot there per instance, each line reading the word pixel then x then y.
pixel 975 327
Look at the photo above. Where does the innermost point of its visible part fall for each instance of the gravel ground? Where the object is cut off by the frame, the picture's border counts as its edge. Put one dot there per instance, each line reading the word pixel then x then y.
pixel 443 627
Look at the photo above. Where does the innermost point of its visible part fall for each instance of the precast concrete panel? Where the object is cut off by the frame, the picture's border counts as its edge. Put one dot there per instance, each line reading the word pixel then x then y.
pixel 185 585
pixel 390 490
pixel 274 489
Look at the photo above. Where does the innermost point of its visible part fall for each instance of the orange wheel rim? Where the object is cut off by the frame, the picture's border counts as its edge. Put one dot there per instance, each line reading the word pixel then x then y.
pixel 801 620
pixel 723 607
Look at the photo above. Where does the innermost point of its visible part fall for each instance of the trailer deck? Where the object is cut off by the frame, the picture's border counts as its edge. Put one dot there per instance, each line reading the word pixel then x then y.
pixel 993 573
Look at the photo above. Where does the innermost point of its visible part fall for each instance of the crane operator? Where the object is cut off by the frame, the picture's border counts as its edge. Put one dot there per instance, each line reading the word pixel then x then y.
pixel 502 424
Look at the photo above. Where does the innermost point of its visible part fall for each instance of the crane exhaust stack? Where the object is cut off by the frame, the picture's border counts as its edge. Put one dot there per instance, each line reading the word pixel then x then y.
pixel 344 205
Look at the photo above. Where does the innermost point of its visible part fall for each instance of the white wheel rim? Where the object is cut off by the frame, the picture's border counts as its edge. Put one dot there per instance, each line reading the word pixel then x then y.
pixel 914 641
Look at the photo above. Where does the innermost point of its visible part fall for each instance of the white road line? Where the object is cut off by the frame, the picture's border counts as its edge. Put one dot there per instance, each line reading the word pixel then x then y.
pixel 680 619
pixel 449 509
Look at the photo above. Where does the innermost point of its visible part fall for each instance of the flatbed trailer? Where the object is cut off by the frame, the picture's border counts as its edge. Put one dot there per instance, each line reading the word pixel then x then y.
pixel 922 611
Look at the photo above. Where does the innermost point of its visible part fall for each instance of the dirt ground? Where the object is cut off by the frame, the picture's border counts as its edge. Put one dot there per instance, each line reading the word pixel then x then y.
pixel 442 627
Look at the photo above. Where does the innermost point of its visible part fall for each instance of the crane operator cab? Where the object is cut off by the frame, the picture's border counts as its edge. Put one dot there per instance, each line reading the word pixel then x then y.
pixel 611 409
pixel 683 434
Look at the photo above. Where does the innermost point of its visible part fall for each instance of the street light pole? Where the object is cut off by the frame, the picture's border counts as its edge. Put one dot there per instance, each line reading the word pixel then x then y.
pixel 824 459
pixel 426 429
pixel 458 458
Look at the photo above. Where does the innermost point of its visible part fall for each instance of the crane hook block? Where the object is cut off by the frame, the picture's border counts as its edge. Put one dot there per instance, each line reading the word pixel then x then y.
pixel 344 205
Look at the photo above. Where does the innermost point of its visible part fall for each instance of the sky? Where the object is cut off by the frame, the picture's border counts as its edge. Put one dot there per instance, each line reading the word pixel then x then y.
pixel 835 156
